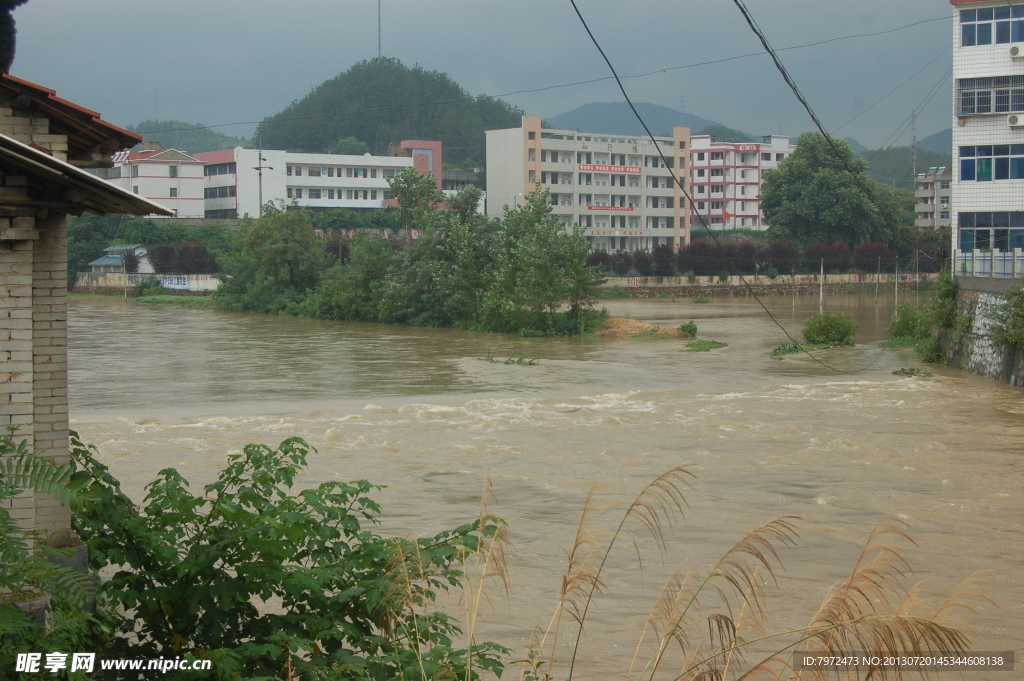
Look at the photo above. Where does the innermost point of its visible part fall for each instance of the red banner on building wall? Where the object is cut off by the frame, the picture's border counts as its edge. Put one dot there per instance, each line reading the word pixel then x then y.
pixel 611 169
pixel 624 209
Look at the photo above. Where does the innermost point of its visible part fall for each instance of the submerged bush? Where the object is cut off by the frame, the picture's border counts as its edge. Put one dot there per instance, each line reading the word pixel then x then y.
pixel 910 321
pixel 830 328
pixel 689 329
pixel 943 303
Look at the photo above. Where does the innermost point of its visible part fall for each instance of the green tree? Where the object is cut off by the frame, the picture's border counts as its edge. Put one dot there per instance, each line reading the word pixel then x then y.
pixel 812 197
pixel 350 146
pixel 278 266
pixel 417 195
pixel 353 290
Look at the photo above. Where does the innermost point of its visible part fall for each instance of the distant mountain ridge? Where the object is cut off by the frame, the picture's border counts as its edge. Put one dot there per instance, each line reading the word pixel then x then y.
pixel 616 118
pixel 192 138
pixel 941 142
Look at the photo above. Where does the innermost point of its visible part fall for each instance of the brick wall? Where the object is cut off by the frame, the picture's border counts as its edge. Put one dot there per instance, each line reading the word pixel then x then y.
pixel 33 322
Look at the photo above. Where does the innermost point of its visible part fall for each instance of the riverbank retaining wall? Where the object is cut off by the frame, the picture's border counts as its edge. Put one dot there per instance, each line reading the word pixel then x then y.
pixel 970 347
pixel 99 282
pixel 782 285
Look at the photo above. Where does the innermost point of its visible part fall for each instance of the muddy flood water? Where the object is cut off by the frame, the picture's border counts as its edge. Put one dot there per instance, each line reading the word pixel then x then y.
pixel 417 410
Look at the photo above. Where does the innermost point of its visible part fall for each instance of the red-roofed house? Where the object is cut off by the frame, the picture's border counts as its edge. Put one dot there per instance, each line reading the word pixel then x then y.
pixel 171 177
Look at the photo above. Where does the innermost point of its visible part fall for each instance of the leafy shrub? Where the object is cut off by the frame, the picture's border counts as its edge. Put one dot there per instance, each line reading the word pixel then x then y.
pixel 704 345
pixel 689 329
pixel 771 272
pixel 643 262
pixel 150 286
pixel 790 348
pixel 701 300
pixel 26 574
pixel 664 260
pixel 910 321
pixel 781 254
pixel 830 328
pixel 621 262
pixel 616 292
pixel 193 569
pixel 866 256
pixel 836 255
pixel 701 257
pixel 723 276
pixel 943 303
pixel 1008 319
pixel 600 260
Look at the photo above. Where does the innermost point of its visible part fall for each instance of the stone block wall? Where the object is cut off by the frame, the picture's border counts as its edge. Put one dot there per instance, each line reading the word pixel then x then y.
pixel 972 349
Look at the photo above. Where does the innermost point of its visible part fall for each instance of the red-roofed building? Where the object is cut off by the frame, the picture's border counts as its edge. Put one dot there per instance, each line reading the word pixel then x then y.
pixel 171 177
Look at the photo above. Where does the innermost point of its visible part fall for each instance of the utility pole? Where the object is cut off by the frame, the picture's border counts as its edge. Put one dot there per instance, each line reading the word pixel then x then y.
pixel 378 30
pixel 821 288
pixel 913 151
pixel 259 168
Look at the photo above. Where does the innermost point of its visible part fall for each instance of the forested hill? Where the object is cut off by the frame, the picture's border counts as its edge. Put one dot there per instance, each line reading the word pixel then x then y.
pixel 893 165
pixel 188 137
pixel 383 101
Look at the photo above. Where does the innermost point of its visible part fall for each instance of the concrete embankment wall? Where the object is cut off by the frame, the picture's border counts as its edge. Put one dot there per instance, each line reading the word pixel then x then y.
pixel 970 347
pixel 782 285
pixel 96 282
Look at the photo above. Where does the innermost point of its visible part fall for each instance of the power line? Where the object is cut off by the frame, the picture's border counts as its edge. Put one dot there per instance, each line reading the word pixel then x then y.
pixel 689 198
pixel 554 87
pixel 879 100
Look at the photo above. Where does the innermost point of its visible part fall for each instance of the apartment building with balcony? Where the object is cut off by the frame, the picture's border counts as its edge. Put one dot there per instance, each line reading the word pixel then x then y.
pixel 726 178
pixel 932 197
pixel 617 187
pixel 988 134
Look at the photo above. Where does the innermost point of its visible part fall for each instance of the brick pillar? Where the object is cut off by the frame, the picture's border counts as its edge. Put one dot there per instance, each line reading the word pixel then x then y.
pixel 50 363
pixel 16 389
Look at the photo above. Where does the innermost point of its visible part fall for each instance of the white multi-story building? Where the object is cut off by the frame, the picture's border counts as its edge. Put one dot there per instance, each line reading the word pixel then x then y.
pixel 616 187
pixel 726 178
pixel 169 177
pixel 236 180
pixel 932 196
pixel 988 134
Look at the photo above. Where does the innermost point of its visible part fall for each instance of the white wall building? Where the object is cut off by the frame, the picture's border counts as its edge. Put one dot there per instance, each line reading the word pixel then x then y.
pixel 932 196
pixel 169 177
pixel 726 177
pixel 988 134
pixel 233 184
pixel 615 186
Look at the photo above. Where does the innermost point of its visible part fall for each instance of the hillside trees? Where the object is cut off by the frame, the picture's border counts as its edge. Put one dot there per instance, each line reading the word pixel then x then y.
pixel 382 101
pixel 812 197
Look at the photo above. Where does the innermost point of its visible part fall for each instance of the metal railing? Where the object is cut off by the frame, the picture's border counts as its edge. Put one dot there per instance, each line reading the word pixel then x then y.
pixel 990 263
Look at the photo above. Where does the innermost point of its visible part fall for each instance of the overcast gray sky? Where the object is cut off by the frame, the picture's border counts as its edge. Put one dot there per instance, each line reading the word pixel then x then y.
pixel 226 61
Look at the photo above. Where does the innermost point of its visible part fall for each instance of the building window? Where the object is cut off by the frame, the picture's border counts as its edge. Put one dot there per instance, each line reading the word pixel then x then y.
pixel 389 172
pixel 700 172
pixel 700 156
pixel 716 205
pixel 1000 94
pixel 780 157
pixel 330 193
pixel 717 156
pixel 330 172
pixel 373 173
pixel 173 170
pixel 135 171
pixel 531 154
pixel 388 194
pixel 348 172
pixel 289 171
pixel 944 215
pixel 716 188
pixel 373 194
pixel 135 189
pixel 700 205
pixel 985 163
pixel 314 193
pixel 717 172
pixel 298 192
pixel 298 171
pixel 1001 231
pixel 700 189
pixel 766 157
pixel 532 135
pixel 991 25
pixel 682 145
pixel 174 192
pixel 943 185
pixel 313 172
pixel 348 193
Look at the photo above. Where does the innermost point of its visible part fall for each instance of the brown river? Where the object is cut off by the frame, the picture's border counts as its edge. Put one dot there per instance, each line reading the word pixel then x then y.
pixel 417 410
